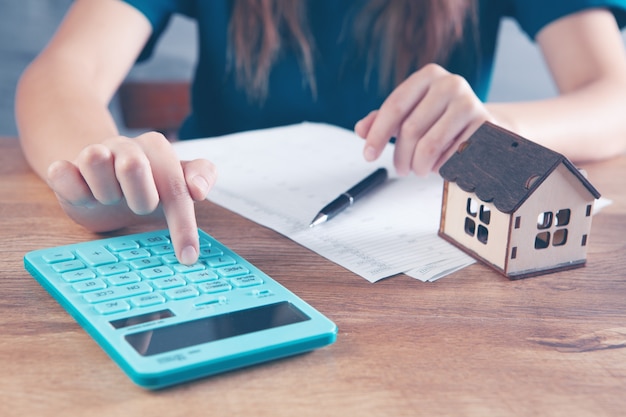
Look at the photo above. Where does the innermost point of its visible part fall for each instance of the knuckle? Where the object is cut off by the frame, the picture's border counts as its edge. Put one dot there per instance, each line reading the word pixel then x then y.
pixel 132 164
pixel 55 171
pixel 465 104
pixel 393 105
pixel 410 129
pixel 155 140
pixel 432 70
pixel 177 189
pixel 429 148
pixel 458 82
pixel 451 85
pixel 93 154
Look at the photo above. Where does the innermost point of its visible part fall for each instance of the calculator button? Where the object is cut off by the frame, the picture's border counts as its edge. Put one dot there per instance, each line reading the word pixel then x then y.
pixel 162 249
pixel 60 256
pixel 232 271
pixel 112 307
pixel 91 285
pixel 123 245
pixel 96 256
pixel 215 286
pixel 202 276
pixel 113 269
pixel 154 240
pixel 122 279
pixel 246 281
pixel 145 263
pixel 217 261
pixel 210 251
pixel 148 300
pixel 113 293
pixel 68 266
pixel 169 259
pixel 182 293
pixel 129 255
pixel 78 275
pixel 156 272
pixel 169 282
pixel 183 269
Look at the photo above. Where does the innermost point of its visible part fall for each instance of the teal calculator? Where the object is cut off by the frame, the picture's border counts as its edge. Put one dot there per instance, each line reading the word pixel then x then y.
pixel 165 323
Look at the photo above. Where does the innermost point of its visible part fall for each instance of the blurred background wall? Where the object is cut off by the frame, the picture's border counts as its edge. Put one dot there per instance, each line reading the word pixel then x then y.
pixel 26 26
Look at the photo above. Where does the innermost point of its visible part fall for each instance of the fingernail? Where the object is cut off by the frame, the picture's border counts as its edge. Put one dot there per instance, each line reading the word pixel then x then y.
pixel 369 153
pixel 188 256
pixel 201 183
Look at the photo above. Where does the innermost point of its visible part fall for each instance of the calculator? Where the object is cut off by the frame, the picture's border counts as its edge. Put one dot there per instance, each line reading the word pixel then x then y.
pixel 164 322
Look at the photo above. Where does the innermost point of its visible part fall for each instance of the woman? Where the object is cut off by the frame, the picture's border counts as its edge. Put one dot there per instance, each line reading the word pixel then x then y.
pixel 414 70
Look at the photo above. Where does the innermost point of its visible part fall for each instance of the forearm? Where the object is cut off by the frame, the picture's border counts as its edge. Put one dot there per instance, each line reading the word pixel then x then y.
pixel 585 125
pixel 58 115
pixel 586 58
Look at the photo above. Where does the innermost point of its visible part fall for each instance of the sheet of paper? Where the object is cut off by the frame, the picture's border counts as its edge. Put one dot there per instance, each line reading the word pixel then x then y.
pixel 281 178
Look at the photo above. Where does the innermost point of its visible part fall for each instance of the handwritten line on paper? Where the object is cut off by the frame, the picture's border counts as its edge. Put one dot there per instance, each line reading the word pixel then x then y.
pixel 281 177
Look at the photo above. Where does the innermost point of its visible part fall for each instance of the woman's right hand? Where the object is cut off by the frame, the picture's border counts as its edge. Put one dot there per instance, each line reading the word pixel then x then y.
pixel 123 180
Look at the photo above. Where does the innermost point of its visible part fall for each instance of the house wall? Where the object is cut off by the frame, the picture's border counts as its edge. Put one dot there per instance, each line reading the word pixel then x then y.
pixel 561 190
pixel 494 251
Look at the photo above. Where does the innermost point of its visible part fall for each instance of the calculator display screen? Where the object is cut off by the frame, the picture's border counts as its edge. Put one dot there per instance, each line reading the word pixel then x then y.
pixel 210 329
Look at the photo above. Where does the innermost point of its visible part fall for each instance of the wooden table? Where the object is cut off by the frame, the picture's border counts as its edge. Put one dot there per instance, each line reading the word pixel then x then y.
pixel 471 344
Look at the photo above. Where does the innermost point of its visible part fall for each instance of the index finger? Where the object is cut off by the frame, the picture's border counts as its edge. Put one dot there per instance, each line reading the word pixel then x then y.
pixel 176 200
pixel 396 108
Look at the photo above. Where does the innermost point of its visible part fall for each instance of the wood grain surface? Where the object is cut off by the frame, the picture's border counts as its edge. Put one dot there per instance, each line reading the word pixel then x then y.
pixel 471 344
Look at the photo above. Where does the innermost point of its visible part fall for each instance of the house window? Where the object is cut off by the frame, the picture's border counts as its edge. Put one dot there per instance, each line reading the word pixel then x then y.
pixel 560 237
pixel 552 228
pixel 485 214
pixel 470 226
pixel 472 207
pixel 562 217
pixel 478 227
pixel 482 234
pixel 542 240
pixel 544 220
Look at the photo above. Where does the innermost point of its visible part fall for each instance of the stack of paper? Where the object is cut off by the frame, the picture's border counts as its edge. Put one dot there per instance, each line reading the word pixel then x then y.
pixel 281 178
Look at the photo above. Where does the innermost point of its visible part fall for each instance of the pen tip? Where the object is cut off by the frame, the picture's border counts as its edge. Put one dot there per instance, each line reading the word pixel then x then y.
pixel 319 219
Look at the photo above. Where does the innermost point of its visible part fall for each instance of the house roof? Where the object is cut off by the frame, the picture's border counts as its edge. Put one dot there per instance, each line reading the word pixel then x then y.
pixel 503 168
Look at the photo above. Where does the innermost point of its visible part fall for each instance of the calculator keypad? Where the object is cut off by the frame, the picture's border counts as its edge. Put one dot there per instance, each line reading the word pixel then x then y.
pixel 165 323
pixel 133 274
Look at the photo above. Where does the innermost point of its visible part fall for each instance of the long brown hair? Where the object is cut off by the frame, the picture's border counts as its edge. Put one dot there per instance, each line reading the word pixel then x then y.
pixel 395 36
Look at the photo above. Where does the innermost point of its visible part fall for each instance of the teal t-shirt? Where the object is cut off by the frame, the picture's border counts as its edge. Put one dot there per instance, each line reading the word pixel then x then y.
pixel 220 107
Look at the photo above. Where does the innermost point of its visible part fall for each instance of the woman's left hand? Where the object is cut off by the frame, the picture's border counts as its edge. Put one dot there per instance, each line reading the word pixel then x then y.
pixel 429 114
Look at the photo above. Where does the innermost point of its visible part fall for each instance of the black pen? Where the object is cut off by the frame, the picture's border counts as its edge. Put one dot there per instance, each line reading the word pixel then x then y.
pixel 348 198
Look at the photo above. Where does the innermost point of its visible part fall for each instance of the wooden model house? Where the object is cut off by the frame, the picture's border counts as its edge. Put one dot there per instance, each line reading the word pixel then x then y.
pixel 519 207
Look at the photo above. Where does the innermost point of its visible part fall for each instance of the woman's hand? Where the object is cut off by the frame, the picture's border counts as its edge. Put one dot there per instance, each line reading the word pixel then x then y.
pixel 429 114
pixel 121 181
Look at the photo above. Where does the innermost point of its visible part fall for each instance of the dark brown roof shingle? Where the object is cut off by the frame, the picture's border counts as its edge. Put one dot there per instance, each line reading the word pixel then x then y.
pixel 503 168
